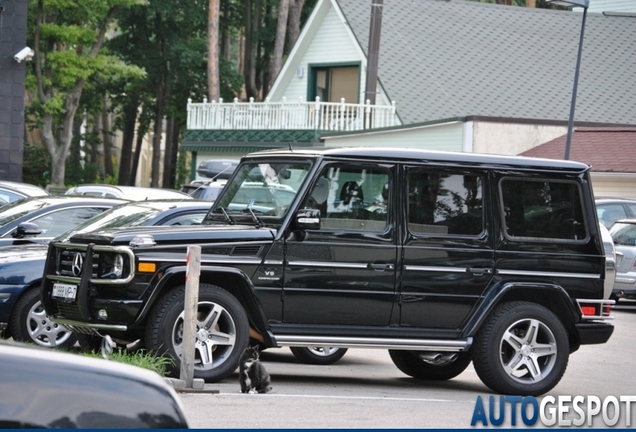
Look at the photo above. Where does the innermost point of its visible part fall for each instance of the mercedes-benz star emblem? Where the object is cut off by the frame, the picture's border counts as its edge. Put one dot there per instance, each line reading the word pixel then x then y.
pixel 77 264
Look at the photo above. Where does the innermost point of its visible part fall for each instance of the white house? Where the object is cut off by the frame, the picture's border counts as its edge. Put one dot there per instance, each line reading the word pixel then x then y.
pixel 454 75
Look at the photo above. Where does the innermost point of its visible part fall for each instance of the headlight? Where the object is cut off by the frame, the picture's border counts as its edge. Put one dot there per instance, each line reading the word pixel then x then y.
pixel 112 266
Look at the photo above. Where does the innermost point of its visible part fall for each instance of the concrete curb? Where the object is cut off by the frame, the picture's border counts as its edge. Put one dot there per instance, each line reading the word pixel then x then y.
pixel 198 386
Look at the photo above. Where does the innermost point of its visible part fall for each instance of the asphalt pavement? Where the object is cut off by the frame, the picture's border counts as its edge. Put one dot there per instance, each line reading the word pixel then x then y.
pixel 365 390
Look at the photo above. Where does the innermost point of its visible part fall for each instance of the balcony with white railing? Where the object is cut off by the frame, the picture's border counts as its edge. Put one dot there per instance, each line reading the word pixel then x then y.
pixel 287 115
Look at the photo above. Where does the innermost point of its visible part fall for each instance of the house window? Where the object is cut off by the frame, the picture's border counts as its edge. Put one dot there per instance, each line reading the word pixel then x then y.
pixel 331 84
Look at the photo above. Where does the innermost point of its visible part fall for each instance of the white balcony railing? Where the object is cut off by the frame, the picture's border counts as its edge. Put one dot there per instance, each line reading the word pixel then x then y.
pixel 326 116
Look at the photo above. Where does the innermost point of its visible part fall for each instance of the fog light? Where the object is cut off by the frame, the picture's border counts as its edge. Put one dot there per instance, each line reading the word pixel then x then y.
pixel 102 314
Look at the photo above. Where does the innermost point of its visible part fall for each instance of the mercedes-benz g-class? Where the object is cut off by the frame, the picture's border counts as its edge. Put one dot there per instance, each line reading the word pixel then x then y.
pixel 441 258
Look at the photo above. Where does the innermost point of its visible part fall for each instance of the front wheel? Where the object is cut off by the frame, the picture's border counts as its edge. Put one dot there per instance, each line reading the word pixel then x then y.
pixel 430 366
pixel 30 323
pixel 318 355
pixel 521 349
pixel 222 331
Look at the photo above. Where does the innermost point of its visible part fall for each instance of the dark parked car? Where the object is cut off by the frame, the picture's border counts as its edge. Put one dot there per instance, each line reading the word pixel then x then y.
pixel 441 258
pixel 56 390
pixel 217 168
pixel 14 191
pixel 39 219
pixel 21 313
pixel 610 210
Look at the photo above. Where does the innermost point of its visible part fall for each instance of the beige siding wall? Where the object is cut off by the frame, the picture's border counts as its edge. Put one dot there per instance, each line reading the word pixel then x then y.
pixel 511 139
pixel 446 137
pixel 611 6
pixel 614 185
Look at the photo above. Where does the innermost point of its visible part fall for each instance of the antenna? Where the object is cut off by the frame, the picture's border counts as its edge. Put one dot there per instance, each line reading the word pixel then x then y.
pixel 290 147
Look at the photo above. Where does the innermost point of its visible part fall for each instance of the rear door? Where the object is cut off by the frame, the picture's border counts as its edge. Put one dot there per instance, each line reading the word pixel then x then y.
pixel 448 251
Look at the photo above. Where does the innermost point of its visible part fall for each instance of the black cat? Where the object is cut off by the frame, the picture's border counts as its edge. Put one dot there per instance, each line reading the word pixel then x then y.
pixel 253 376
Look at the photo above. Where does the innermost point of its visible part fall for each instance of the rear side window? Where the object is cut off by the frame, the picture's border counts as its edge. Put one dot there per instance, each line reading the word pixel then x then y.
pixel 542 209
pixel 445 203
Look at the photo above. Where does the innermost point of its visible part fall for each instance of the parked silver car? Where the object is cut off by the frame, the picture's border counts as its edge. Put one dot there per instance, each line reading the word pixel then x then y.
pixel 14 191
pixel 624 236
pixel 133 193
pixel 610 210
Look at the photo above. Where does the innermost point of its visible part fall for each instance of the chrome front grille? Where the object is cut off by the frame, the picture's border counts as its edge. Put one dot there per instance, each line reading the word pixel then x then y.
pixel 71 263
pixel 71 258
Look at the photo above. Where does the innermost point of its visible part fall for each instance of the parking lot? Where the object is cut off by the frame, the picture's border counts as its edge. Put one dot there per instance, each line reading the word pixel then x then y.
pixel 365 390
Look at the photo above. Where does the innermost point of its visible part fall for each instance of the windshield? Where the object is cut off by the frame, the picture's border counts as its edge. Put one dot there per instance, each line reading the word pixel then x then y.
pixel 128 215
pixel 271 185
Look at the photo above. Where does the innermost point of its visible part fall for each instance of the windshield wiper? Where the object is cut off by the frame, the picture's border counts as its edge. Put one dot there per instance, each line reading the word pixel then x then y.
pixel 227 216
pixel 255 218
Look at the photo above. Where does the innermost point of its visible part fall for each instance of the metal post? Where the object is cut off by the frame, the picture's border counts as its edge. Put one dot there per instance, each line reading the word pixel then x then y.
pixel 193 270
pixel 374 50
pixel 568 139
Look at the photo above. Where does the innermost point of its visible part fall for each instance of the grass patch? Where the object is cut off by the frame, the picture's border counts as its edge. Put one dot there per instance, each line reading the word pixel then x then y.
pixel 139 358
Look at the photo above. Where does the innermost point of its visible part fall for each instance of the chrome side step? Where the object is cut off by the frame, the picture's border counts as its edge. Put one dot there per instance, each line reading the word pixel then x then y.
pixel 383 343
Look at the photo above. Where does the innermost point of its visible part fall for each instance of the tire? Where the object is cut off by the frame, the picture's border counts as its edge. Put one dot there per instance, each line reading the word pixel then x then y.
pixel 29 323
pixel 506 347
pixel 218 349
pixel 412 364
pixel 318 355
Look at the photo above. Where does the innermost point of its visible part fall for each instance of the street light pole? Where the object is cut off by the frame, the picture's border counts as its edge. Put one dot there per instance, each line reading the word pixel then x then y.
pixel 584 4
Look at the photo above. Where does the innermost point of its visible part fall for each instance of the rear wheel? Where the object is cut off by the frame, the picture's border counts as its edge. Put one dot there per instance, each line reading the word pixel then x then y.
pixel 430 366
pixel 318 355
pixel 30 323
pixel 521 349
pixel 222 331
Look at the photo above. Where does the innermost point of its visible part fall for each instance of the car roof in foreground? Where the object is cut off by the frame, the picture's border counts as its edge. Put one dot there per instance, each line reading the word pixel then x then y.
pixel 48 388
pixel 409 154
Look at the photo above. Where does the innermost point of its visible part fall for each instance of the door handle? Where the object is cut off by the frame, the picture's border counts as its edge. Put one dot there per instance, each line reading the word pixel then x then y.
pixel 479 271
pixel 380 266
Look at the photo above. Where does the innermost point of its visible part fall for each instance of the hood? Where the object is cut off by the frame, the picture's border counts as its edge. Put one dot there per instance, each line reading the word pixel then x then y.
pixel 191 234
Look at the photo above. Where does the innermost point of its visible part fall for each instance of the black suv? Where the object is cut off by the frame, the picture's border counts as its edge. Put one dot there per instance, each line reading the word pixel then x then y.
pixel 441 258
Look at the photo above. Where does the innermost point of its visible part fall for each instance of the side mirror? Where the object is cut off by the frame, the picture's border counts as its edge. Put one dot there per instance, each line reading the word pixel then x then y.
pixel 307 219
pixel 27 229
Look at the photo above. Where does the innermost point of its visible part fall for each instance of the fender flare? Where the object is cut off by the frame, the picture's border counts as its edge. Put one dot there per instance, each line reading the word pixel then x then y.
pixel 566 309
pixel 244 292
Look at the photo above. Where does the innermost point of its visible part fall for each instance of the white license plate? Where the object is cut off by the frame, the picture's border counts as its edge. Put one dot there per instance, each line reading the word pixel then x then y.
pixel 64 291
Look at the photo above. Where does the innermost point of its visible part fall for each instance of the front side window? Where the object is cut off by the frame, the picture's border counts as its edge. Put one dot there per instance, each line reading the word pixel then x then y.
pixel 445 203
pixel 267 188
pixel 351 197
pixel 542 209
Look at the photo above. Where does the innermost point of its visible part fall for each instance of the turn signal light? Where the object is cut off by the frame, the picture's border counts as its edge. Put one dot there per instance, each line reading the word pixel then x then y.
pixel 147 267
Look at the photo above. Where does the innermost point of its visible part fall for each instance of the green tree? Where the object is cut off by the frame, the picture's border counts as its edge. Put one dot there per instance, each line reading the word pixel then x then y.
pixel 67 37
